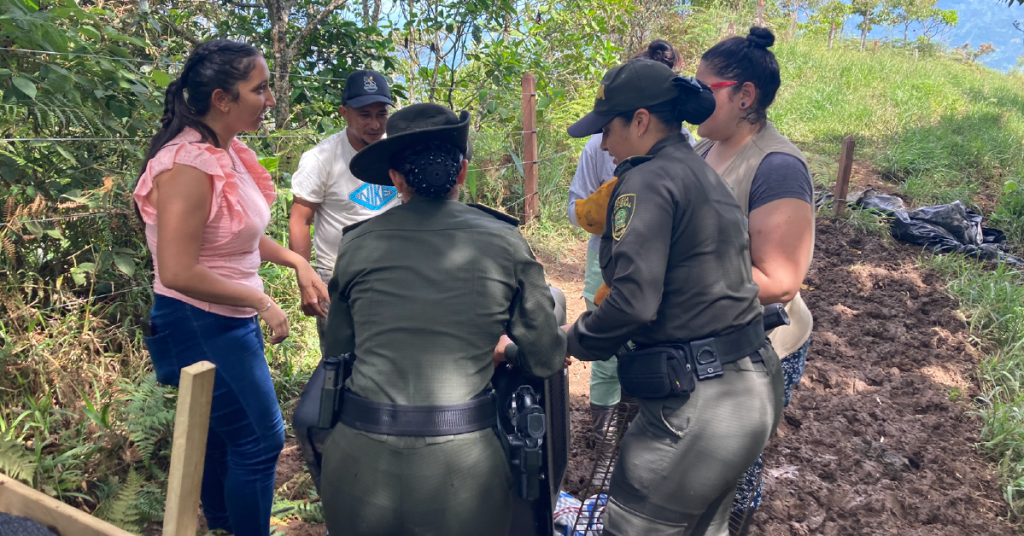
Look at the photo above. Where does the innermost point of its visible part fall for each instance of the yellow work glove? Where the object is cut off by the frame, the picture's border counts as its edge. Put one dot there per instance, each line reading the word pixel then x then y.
pixel 591 212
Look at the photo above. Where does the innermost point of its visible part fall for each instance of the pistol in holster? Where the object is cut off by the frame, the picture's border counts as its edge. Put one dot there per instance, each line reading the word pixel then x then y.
pixel 524 441
pixel 775 316
pixel 336 371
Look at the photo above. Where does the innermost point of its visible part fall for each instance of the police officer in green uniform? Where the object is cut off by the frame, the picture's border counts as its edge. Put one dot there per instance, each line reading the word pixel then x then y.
pixel 675 254
pixel 420 295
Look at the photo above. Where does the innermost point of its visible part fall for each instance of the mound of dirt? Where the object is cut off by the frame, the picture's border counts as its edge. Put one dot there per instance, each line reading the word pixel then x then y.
pixel 876 439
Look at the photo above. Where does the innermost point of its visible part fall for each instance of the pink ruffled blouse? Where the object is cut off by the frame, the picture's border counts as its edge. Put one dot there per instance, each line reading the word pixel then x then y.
pixel 239 212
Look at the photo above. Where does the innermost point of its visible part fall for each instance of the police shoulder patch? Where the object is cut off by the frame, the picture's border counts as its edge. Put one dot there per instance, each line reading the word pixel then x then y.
pixel 496 214
pixel 622 214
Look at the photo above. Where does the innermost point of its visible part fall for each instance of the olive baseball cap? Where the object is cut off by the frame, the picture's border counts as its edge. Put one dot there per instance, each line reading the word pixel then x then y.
pixel 640 83
pixel 365 87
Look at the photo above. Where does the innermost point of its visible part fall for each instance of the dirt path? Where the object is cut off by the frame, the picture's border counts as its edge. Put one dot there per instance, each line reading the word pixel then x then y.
pixel 876 440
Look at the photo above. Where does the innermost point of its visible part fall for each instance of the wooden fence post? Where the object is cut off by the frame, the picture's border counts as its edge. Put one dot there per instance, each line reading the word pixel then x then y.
pixel 843 180
pixel 188 450
pixel 530 170
pixel 20 500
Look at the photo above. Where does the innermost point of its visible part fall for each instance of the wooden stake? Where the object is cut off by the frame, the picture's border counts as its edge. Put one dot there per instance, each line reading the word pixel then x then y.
pixel 843 181
pixel 188 451
pixel 20 500
pixel 530 170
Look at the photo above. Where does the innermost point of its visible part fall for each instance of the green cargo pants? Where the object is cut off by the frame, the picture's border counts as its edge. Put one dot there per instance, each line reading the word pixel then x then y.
pixel 377 485
pixel 604 376
pixel 681 458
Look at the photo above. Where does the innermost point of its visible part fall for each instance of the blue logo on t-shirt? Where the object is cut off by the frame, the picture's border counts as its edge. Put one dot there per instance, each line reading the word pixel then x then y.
pixel 373 196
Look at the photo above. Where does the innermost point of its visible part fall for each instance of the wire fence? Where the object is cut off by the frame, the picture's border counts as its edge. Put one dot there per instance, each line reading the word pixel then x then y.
pixel 503 138
pixel 74 303
pixel 180 64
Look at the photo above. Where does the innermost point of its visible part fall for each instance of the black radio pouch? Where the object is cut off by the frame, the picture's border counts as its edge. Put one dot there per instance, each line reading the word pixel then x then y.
pixel 657 372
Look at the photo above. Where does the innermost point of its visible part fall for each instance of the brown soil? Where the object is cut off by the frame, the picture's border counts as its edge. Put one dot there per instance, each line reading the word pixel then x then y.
pixel 877 439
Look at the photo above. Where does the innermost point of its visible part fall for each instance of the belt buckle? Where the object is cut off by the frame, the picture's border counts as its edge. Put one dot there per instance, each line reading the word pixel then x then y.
pixel 705 358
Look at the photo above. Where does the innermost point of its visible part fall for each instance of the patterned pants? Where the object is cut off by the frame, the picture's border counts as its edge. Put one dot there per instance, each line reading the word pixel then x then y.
pixel 748 492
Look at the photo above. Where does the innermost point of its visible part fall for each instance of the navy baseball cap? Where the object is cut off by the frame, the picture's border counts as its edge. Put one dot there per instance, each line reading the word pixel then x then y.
pixel 365 87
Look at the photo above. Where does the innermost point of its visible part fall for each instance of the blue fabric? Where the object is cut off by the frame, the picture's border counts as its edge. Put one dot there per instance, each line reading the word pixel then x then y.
pixel 748 491
pixel 246 430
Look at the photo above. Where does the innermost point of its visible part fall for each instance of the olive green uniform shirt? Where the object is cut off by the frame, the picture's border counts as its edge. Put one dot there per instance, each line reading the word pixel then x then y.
pixel 422 293
pixel 675 254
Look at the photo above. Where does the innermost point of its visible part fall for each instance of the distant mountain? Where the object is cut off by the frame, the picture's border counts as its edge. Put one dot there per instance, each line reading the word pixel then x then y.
pixel 981 21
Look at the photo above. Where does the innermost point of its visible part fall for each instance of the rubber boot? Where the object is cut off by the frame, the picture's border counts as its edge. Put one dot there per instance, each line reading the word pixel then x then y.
pixel 605 432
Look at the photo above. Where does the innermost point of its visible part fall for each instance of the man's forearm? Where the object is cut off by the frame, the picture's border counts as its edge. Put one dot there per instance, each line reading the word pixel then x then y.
pixel 299 240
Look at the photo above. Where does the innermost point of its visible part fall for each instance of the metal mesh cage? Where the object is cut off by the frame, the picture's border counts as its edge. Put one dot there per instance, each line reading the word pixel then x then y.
pixel 606 449
pixel 22 526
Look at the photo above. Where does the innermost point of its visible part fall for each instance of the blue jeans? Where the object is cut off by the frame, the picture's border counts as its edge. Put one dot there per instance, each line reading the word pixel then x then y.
pixel 246 430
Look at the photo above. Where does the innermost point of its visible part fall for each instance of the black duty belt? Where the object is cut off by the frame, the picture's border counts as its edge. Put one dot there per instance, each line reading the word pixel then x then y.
pixel 733 346
pixel 730 347
pixel 427 421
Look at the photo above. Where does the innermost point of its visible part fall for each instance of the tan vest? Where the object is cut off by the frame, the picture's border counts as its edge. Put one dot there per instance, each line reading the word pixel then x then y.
pixel 739 175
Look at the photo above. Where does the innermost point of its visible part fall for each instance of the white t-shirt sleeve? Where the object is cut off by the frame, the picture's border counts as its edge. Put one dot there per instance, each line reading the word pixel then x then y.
pixel 310 179
pixel 590 174
pixel 689 136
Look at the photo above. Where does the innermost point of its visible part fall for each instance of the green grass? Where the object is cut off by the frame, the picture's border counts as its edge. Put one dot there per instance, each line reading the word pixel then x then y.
pixel 994 303
pixel 939 129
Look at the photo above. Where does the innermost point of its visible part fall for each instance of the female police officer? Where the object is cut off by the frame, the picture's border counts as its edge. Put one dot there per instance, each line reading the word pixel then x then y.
pixel 420 294
pixel 675 254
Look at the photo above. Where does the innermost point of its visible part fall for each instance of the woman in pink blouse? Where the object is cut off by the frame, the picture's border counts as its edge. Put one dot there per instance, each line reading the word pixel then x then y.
pixel 206 201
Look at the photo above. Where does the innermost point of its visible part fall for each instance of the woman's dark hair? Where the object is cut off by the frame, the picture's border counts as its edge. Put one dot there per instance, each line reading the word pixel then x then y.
pixel 660 50
pixel 217 64
pixel 430 168
pixel 694 104
pixel 747 59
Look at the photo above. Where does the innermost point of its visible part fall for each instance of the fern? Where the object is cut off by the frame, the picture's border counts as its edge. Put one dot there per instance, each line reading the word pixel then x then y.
pixel 15 461
pixel 121 508
pixel 149 415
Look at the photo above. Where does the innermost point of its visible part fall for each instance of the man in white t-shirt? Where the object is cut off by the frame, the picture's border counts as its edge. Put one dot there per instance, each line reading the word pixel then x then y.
pixel 326 193
pixel 329 196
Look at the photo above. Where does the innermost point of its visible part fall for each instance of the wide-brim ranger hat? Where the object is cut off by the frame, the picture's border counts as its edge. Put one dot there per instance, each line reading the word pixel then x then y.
pixel 410 126
pixel 639 83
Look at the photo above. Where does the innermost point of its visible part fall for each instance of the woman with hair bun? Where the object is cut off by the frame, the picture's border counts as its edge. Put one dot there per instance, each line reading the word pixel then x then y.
pixel 205 200
pixel 420 294
pixel 674 253
pixel 595 168
pixel 770 180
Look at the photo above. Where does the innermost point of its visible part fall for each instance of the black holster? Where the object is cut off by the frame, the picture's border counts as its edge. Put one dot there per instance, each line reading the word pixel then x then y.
pixel 657 372
pixel 674 368
pixel 336 371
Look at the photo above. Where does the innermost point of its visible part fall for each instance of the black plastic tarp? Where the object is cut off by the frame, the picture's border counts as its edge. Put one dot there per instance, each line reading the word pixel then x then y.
pixel 948 228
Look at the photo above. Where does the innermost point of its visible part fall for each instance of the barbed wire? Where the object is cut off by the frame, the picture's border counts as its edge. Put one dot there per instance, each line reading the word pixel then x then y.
pixel 170 63
pixel 72 303
pixel 247 137
pixel 123 212
pixel 11 223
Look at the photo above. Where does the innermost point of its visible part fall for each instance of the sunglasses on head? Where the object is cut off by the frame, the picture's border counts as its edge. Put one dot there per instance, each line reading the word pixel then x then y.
pixel 717 85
